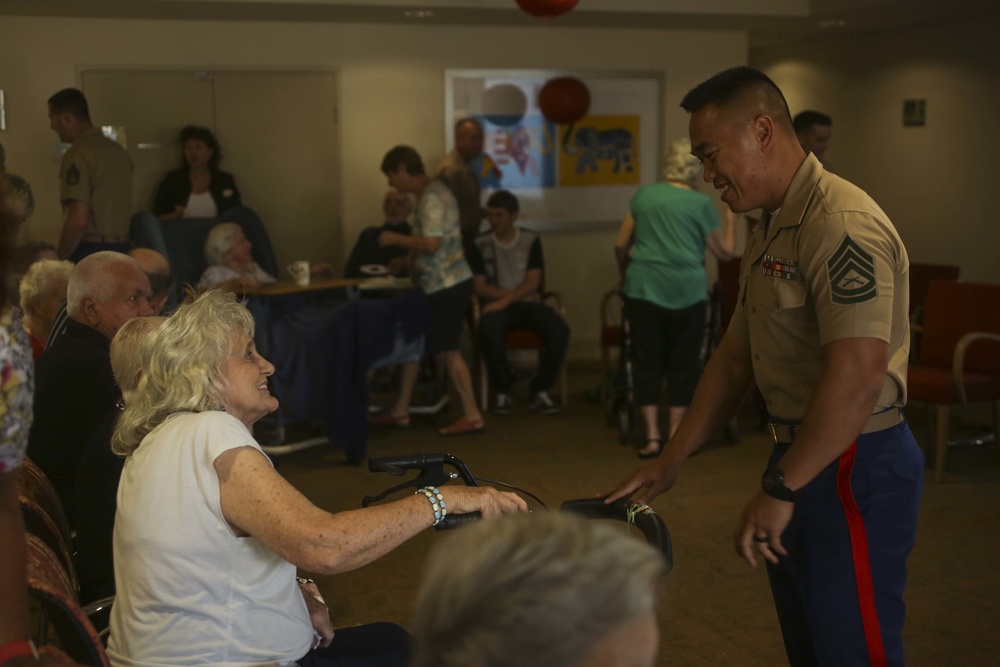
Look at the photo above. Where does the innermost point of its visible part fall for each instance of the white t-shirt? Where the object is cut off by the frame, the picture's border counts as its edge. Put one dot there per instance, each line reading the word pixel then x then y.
pixel 190 592
pixel 201 205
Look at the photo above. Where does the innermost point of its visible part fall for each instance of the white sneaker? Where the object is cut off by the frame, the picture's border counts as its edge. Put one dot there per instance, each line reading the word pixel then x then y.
pixel 542 402
pixel 502 405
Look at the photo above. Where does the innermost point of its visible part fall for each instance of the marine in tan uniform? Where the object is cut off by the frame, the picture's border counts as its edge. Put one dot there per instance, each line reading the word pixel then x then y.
pixel 461 179
pixel 822 327
pixel 95 181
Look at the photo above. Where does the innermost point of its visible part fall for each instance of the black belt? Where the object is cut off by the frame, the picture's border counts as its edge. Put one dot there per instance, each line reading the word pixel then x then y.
pixel 785 432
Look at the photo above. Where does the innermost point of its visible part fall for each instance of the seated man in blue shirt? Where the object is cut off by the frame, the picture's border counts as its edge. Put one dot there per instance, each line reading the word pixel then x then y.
pixel 397 207
pixel 508 270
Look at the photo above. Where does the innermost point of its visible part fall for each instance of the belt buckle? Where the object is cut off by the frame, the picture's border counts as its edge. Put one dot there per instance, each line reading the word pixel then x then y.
pixel 774 431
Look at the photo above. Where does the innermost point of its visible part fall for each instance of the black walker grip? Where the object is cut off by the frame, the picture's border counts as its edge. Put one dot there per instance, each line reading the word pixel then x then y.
pixel 649 523
pixel 455 520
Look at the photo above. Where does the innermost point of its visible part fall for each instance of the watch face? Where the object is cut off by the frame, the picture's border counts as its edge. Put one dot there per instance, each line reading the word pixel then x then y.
pixel 773 483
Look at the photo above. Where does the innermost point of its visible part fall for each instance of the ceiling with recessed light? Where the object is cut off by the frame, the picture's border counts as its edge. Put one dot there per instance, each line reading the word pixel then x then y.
pixel 766 21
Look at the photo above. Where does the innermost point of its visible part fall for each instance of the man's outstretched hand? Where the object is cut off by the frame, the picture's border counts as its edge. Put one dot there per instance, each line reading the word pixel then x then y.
pixel 648 481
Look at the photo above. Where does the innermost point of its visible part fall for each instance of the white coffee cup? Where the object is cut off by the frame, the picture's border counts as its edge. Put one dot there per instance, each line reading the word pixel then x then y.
pixel 299 271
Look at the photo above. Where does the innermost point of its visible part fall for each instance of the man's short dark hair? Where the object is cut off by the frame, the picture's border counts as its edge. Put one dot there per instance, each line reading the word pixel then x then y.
pixel 71 100
pixel 804 120
pixel 739 84
pixel 505 200
pixel 468 119
pixel 406 156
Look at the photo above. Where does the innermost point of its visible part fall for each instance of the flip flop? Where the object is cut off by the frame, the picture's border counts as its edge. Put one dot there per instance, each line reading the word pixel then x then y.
pixel 464 427
pixel 653 454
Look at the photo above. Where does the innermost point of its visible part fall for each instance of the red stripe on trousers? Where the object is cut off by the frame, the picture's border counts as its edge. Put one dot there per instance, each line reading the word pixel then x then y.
pixel 859 553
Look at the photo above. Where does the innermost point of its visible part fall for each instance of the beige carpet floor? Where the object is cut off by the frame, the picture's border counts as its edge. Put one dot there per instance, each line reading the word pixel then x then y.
pixel 716 610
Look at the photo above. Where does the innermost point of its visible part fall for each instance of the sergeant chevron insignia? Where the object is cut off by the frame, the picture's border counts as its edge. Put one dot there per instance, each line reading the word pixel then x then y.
pixel 852 274
pixel 73 175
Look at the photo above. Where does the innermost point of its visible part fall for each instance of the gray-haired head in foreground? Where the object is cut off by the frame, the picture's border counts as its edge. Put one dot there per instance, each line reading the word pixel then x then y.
pixel 680 166
pixel 95 276
pixel 186 368
pixel 531 590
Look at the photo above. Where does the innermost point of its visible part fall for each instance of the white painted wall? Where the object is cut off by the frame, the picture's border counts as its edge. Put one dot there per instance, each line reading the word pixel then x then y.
pixel 392 91
pixel 938 183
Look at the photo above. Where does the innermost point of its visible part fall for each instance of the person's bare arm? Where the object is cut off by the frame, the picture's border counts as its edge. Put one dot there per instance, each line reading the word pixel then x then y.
pixel 176 214
pixel 850 384
pixel 722 388
pixel 722 242
pixel 623 242
pixel 75 216
pixel 502 298
pixel 485 291
pixel 257 501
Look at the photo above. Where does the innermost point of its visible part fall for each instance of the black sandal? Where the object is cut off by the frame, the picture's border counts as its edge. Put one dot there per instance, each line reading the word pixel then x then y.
pixel 652 454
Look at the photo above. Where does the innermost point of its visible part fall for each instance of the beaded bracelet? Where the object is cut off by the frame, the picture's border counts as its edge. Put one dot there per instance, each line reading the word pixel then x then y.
pixel 437 503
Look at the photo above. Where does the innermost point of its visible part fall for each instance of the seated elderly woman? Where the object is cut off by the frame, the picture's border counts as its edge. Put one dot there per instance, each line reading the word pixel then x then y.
pixel 208 535
pixel 230 264
pixel 42 292
pixel 540 590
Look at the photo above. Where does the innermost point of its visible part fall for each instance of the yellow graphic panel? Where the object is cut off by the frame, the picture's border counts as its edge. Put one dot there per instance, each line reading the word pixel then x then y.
pixel 600 150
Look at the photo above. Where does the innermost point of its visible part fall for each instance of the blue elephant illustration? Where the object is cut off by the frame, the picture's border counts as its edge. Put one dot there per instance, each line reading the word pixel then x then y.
pixel 593 145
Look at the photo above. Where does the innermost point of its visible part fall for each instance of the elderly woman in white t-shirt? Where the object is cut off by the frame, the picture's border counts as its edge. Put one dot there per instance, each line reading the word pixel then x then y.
pixel 208 536
pixel 230 263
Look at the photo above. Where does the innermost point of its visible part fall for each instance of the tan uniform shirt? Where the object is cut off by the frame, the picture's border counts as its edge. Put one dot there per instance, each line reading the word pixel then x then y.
pixel 461 180
pixel 831 267
pixel 98 171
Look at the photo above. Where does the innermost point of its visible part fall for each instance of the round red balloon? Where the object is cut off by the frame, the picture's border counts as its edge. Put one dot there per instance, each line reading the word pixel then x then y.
pixel 546 8
pixel 564 100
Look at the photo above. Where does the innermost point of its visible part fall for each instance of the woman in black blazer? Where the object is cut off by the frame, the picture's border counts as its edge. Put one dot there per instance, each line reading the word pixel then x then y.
pixel 199 189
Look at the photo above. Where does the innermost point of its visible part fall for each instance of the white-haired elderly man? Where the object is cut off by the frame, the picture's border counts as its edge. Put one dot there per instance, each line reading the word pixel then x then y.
pixel 74 386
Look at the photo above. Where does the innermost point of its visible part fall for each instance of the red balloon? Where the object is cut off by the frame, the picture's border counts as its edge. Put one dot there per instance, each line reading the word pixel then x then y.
pixel 546 8
pixel 564 100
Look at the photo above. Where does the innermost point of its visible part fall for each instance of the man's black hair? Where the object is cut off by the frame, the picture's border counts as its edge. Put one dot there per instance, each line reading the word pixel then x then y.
pixel 406 156
pixel 505 200
pixel 804 120
pixel 735 83
pixel 468 119
pixel 71 100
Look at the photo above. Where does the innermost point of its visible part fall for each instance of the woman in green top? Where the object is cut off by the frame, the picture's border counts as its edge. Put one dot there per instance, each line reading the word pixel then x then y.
pixel 661 252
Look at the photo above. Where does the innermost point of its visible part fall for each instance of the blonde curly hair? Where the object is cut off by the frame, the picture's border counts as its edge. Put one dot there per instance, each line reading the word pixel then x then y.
pixel 184 368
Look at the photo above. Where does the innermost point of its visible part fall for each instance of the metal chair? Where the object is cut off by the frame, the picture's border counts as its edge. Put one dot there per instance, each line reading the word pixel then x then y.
pixel 612 335
pixel 959 360
pixel 517 340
